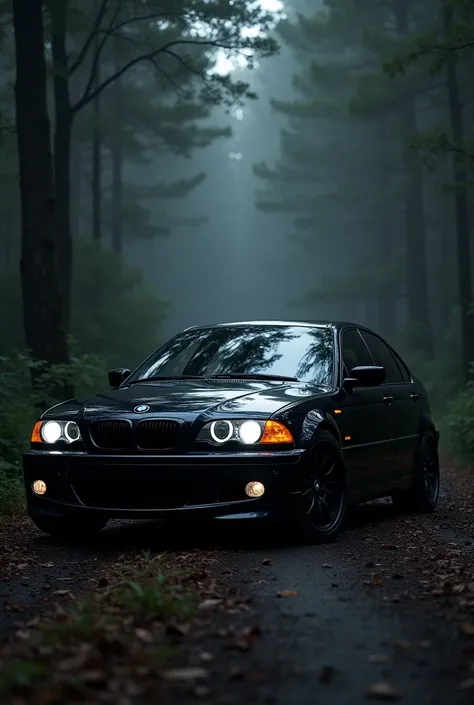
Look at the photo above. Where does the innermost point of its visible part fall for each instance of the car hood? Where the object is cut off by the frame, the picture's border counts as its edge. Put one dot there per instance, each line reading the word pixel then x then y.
pixel 190 399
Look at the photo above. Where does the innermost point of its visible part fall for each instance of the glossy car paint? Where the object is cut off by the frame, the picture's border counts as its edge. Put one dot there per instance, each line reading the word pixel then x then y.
pixel 379 442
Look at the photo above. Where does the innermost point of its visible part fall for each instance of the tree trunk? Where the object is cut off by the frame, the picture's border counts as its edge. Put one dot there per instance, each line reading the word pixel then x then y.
pixel 415 232
pixel 62 153
pixel 97 169
pixel 117 169
pixel 43 313
pixel 76 188
pixel 461 212
pixel 386 318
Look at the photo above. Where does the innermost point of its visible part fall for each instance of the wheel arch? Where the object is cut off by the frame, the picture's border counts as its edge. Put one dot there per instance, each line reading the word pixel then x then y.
pixel 316 421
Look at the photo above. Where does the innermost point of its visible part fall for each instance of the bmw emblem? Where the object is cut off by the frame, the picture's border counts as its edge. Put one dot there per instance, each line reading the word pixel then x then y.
pixel 141 409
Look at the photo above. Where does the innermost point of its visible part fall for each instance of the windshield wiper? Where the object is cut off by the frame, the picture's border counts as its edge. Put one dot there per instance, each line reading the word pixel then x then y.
pixel 160 378
pixel 255 375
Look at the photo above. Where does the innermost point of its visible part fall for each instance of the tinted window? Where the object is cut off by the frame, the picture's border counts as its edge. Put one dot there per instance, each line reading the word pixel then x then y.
pixel 293 351
pixel 403 369
pixel 354 350
pixel 383 357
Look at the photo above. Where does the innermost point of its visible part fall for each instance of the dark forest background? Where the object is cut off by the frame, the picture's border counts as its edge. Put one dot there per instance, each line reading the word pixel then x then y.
pixel 329 175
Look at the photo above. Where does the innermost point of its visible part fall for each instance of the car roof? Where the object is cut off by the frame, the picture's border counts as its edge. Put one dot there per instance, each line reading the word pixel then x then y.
pixel 316 324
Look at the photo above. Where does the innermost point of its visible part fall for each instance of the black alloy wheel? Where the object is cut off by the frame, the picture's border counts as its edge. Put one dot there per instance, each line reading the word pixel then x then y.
pixel 323 492
pixel 430 460
pixel 422 495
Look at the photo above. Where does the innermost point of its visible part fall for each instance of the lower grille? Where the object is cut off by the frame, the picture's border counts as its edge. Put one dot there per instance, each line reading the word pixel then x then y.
pixel 137 494
pixel 157 434
pixel 111 435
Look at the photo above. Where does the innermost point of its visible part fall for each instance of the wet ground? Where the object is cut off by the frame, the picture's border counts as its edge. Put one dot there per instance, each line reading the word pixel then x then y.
pixel 386 612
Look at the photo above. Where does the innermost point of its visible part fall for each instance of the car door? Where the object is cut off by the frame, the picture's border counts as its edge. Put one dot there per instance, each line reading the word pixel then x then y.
pixel 366 424
pixel 397 391
pixel 409 424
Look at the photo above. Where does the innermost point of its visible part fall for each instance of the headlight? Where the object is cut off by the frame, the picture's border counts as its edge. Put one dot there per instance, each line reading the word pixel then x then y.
pixel 247 432
pixel 51 432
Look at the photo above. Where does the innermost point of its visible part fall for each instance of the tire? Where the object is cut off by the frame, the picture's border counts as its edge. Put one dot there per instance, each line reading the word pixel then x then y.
pixel 323 498
pixel 69 528
pixel 422 496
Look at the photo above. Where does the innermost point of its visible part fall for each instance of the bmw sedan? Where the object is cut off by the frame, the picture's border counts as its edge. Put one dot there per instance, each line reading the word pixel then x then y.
pixel 290 421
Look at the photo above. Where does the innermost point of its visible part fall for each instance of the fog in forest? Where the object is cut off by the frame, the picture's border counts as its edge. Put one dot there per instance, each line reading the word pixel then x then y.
pixel 216 162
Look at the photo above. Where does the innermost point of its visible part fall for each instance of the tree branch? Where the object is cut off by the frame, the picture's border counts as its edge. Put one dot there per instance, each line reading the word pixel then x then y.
pixel 459 150
pixel 98 53
pixel 89 94
pixel 86 46
pixel 113 28
pixel 180 59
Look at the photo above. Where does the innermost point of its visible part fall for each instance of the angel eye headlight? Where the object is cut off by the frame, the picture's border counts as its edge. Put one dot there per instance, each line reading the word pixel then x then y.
pixel 250 432
pixel 221 431
pixel 71 431
pixel 51 432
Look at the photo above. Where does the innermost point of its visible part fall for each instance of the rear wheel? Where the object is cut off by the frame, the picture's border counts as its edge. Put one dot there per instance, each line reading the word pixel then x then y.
pixel 423 494
pixel 65 527
pixel 323 495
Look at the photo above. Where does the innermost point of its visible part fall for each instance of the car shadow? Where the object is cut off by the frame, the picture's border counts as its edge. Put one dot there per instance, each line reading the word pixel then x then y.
pixel 228 535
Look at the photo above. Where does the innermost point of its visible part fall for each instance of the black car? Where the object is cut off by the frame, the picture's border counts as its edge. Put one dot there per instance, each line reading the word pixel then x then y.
pixel 286 420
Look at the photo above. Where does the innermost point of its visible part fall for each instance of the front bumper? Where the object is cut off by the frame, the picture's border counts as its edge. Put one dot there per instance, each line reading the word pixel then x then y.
pixel 195 485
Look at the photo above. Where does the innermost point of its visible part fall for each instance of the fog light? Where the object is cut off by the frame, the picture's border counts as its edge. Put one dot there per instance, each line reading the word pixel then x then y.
pixel 254 489
pixel 39 487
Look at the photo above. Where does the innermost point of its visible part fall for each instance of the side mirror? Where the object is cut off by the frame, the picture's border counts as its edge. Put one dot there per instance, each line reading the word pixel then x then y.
pixel 116 377
pixel 365 376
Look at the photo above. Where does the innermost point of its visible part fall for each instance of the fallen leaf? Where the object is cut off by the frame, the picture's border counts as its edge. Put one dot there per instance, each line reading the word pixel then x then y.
pixel 467 628
pixel 206 657
pixel 209 604
pixel 173 629
pixel 185 674
pixel 383 691
pixel 144 636
pixel 245 639
pixel 376 580
pixel 288 593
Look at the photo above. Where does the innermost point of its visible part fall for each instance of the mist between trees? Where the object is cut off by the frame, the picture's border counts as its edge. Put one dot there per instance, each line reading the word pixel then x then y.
pixel 371 180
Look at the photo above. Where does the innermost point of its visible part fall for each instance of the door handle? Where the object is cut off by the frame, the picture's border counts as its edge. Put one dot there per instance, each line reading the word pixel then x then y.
pixel 388 400
pixel 415 397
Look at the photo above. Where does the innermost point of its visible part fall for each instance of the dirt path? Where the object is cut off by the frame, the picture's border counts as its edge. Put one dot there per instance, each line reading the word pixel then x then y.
pixel 387 612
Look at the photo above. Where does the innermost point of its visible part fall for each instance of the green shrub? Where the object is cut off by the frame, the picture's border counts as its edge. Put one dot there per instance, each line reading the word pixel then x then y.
pixel 20 407
pixel 115 313
pixel 457 428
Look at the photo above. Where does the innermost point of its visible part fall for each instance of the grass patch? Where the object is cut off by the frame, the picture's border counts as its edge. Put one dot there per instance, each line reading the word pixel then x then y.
pixel 125 630
pixel 12 494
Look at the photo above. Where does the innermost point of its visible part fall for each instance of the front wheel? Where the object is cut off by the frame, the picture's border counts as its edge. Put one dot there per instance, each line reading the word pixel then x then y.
pixel 323 494
pixel 422 495
pixel 65 527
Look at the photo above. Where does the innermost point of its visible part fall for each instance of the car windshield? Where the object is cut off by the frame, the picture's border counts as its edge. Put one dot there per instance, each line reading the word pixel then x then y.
pixel 305 353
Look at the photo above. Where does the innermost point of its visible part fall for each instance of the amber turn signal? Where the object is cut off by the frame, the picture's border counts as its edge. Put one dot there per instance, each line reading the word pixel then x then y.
pixel 35 434
pixel 276 432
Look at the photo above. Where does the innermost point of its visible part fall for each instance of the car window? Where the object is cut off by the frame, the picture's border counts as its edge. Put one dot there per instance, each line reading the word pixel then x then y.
pixel 306 353
pixel 383 357
pixel 354 350
pixel 403 368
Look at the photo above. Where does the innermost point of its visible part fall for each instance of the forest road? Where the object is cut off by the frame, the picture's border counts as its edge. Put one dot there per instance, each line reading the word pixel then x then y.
pixel 385 613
